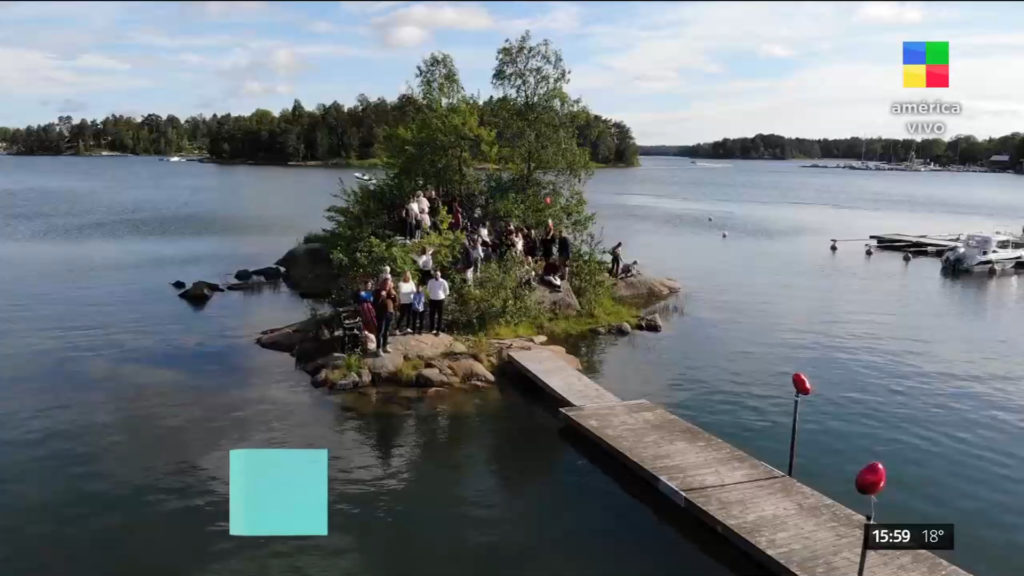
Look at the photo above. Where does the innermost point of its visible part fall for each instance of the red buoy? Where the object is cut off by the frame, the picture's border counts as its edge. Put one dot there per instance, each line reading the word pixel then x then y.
pixel 801 384
pixel 547 200
pixel 871 479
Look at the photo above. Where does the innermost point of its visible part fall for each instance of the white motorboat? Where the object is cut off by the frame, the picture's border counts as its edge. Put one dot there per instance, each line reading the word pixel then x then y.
pixel 173 159
pixel 365 178
pixel 992 251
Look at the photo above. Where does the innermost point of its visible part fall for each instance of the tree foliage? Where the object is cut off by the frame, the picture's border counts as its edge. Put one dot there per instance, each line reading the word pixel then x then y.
pixel 960 149
pixel 532 130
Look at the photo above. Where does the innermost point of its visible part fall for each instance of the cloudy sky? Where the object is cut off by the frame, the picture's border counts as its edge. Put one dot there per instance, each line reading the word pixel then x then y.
pixel 676 72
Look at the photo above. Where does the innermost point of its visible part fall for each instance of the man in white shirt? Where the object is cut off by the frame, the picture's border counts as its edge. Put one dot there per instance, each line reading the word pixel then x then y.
pixel 437 292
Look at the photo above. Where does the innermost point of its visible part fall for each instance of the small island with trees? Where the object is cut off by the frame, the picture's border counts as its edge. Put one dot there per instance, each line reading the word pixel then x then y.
pixel 516 166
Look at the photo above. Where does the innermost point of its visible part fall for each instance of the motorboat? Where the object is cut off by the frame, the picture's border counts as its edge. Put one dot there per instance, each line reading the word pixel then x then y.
pixel 174 159
pixel 365 178
pixel 994 251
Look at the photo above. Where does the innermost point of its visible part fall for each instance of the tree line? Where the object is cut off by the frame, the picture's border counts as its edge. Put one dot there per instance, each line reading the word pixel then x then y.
pixel 961 149
pixel 329 132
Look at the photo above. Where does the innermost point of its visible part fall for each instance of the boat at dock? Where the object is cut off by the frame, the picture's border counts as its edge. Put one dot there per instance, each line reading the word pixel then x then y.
pixel 993 252
pixel 365 178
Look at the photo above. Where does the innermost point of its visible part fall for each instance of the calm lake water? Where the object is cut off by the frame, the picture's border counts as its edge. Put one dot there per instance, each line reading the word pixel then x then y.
pixel 119 403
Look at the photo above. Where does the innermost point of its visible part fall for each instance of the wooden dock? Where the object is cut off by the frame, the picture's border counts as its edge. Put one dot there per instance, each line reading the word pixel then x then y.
pixel 789 528
pixel 931 245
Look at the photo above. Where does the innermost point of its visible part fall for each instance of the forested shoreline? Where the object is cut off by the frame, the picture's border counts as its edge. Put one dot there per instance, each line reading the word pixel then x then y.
pixel 329 133
pixel 961 149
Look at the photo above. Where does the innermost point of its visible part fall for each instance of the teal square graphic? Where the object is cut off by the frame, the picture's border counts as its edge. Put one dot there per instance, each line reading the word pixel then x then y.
pixel 278 492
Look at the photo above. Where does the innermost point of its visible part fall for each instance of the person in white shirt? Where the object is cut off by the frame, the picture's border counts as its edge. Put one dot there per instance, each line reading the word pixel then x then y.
pixel 426 262
pixel 425 221
pixel 437 291
pixel 406 289
pixel 422 203
pixel 412 215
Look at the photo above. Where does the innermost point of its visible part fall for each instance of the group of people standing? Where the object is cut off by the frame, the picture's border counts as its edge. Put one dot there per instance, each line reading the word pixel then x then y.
pixel 378 305
pixel 551 247
pixel 417 214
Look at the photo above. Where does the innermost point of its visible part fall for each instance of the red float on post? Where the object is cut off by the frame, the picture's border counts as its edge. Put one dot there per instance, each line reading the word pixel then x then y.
pixel 869 482
pixel 803 388
pixel 801 384
pixel 871 479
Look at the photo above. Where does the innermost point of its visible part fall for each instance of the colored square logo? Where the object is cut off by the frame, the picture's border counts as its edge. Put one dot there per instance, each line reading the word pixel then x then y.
pixel 937 76
pixel 915 76
pixel 278 492
pixel 915 53
pixel 937 53
pixel 926 64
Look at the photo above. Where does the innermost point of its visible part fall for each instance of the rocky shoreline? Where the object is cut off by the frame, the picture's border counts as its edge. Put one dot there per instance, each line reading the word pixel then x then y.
pixel 425 364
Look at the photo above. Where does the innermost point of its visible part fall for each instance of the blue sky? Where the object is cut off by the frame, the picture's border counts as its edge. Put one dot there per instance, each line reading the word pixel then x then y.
pixel 676 72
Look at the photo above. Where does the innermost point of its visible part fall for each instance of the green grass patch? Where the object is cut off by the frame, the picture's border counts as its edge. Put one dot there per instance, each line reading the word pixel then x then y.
pixel 407 371
pixel 607 313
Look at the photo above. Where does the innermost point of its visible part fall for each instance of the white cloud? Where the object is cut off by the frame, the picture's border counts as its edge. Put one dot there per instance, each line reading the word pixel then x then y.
pixel 891 12
pixel 322 27
pixel 99 62
pixel 255 88
pixel 775 51
pixel 217 9
pixel 369 7
pixel 563 17
pixel 24 71
pixel 413 25
pixel 284 62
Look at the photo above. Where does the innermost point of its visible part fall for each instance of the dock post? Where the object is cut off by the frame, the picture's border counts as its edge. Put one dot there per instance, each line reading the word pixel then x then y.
pixel 803 388
pixel 870 481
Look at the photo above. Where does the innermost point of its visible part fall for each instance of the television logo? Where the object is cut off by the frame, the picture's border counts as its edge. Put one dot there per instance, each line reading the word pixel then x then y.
pixel 926 64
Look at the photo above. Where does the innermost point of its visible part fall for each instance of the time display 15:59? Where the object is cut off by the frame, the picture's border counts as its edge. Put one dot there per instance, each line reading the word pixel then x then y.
pixel 909 536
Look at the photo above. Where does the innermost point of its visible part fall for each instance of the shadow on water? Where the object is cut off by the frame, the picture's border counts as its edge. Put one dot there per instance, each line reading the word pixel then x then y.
pixel 690 528
pixel 715 552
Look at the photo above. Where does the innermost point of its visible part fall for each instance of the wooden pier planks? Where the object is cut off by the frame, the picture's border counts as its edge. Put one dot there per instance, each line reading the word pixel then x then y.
pixel 560 379
pixel 790 528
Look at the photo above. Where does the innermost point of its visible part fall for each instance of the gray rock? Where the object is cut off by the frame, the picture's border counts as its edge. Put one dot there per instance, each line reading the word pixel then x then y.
pixel 385 366
pixel 539 339
pixel 562 303
pixel 430 378
pixel 268 273
pixel 211 286
pixel 309 269
pixel 284 340
pixel 197 293
pixel 651 323
pixel 468 369
pixel 349 382
pixel 243 275
pixel 178 284
pixel 365 378
pixel 623 329
pixel 645 288
pixel 599 330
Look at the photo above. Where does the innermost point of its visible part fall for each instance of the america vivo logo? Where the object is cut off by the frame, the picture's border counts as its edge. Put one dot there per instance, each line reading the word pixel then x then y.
pixel 926 64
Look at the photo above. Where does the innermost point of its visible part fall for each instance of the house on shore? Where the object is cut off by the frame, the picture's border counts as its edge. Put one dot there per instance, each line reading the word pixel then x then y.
pixel 999 162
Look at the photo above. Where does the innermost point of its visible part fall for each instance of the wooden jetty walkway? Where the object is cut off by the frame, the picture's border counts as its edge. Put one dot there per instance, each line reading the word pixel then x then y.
pixel 934 245
pixel 788 527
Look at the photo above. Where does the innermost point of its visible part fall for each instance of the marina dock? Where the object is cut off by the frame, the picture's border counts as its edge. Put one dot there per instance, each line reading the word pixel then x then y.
pixel 788 527
pixel 934 245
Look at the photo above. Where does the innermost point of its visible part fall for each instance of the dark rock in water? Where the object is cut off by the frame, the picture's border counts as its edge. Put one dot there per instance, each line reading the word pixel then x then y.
pixel 309 270
pixel 178 284
pixel 312 349
pixel 268 273
pixel 197 293
pixel 250 286
pixel 243 275
pixel 599 330
pixel 650 323
pixel 429 378
pixel 210 286
pixel 283 340
pixel 623 329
